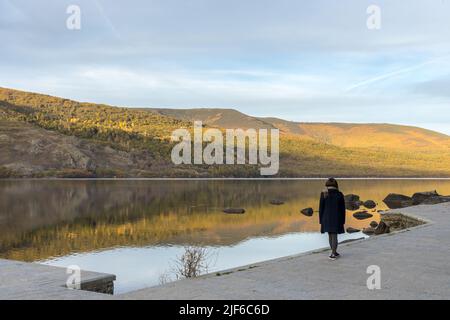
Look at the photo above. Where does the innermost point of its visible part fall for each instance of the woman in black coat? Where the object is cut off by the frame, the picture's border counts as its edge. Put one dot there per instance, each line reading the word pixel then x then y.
pixel 332 214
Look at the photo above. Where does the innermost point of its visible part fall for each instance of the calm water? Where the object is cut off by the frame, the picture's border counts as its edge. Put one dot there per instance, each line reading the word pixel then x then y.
pixel 137 229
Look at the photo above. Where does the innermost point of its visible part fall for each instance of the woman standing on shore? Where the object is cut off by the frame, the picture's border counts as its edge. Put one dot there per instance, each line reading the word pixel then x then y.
pixel 332 214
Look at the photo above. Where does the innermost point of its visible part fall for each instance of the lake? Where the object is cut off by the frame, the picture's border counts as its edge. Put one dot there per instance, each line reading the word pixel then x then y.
pixel 137 229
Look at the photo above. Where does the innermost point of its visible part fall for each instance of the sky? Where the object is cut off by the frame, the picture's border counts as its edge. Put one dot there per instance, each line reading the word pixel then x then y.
pixel 310 61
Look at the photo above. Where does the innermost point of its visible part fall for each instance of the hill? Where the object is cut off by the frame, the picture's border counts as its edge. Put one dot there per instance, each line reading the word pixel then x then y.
pixel 348 135
pixel 218 118
pixel 42 136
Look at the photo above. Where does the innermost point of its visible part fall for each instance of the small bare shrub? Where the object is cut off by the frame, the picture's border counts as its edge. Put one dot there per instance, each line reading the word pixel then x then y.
pixel 192 263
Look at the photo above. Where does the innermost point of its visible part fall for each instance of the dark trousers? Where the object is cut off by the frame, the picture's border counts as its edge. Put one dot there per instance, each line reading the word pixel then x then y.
pixel 333 238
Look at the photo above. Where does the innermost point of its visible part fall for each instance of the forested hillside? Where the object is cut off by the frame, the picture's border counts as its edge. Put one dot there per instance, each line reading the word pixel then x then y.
pixel 45 136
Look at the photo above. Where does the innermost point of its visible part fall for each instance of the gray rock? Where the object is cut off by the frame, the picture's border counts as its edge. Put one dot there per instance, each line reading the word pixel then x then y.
pixel 370 204
pixel 352 202
pixel 234 210
pixel 352 206
pixel 276 202
pixel 351 197
pixel 369 231
pixel 396 201
pixel 420 197
pixel 307 212
pixel 436 200
pixel 352 230
pixel 382 228
pixel 362 215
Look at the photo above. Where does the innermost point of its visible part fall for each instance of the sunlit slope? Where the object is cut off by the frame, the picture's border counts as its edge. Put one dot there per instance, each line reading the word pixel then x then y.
pixel 308 158
pixel 367 135
pixel 104 140
pixel 220 118
pixel 346 135
pixel 87 120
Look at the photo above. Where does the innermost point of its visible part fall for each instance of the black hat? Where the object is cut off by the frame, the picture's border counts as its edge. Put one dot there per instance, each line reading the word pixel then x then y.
pixel 331 182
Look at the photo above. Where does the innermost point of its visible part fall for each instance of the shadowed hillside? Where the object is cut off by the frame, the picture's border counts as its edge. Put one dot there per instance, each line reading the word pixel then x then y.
pixel 45 136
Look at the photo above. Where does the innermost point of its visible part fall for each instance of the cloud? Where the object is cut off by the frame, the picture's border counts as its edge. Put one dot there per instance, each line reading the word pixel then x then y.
pixel 313 61
pixel 395 73
pixel 437 88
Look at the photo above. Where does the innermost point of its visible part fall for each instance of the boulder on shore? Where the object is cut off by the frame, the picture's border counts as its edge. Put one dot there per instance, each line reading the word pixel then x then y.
pixel 352 230
pixel 382 228
pixel 396 201
pixel 307 212
pixel 420 197
pixel 369 204
pixel 369 231
pixel 234 210
pixel 276 202
pixel 361 215
pixel 374 224
pixel 436 200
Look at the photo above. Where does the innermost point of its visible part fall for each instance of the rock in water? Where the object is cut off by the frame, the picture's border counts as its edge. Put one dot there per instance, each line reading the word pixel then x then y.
pixel 382 228
pixel 276 202
pixel 374 224
pixel 307 212
pixel 369 231
pixel 396 201
pixel 352 206
pixel 352 230
pixel 351 197
pixel 352 202
pixel 234 210
pixel 361 215
pixel 420 197
pixel 370 204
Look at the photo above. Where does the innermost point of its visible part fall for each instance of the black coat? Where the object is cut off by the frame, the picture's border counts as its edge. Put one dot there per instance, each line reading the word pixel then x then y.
pixel 332 211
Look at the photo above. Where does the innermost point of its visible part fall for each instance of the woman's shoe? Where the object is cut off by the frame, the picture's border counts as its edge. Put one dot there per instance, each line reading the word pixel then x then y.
pixel 337 255
pixel 332 257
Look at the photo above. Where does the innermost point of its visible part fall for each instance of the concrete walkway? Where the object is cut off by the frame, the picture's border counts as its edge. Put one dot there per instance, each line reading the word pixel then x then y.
pixel 31 281
pixel 415 264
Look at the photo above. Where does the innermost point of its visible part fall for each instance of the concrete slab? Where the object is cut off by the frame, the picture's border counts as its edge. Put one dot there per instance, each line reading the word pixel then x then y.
pixel 32 281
